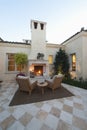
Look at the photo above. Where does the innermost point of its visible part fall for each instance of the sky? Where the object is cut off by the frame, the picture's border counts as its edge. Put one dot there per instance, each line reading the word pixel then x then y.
pixel 64 18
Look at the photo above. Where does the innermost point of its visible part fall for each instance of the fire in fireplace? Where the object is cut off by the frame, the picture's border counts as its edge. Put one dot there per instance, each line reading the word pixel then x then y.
pixel 38 70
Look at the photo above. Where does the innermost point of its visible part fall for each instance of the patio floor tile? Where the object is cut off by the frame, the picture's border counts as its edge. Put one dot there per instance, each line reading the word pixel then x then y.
pixel 68 113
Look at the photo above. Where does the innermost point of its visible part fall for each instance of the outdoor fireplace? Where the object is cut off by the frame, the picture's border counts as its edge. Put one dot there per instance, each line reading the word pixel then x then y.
pixel 38 70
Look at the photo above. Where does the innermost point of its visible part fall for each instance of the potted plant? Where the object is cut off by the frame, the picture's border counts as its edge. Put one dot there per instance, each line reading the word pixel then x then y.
pixel 21 60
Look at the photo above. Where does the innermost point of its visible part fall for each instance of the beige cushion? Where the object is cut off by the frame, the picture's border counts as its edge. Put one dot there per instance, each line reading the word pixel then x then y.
pixel 23 77
pixel 59 75
pixel 26 77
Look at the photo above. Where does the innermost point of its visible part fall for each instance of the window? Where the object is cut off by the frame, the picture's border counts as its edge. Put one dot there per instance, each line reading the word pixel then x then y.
pixel 42 26
pixel 35 25
pixel 73 62
pixel 50 59
pixel 11 63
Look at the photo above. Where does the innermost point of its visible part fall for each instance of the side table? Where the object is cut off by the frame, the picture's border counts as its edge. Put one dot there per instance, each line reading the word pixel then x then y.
pixel 42 86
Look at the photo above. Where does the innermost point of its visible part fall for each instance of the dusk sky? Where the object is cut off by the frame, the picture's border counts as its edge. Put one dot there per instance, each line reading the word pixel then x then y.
pixel 64 18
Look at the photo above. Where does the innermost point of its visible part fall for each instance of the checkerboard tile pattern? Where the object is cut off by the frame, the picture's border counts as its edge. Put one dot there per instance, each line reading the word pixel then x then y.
pixel 59 114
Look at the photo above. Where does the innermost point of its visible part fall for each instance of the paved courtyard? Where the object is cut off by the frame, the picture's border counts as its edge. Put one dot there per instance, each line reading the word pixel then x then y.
pixel 59 114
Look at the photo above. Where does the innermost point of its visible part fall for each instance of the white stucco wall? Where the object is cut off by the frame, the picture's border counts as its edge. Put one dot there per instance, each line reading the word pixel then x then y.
pixel 52 49
pixel 10 48
pixel 5 48
pixel 74 45
pixel 84 57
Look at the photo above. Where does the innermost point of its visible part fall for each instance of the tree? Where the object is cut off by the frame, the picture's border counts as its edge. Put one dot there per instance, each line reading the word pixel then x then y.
pixel 21 59
pixel 61 63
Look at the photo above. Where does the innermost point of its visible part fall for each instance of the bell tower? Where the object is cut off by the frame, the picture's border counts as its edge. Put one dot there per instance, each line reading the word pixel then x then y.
pixel 38 38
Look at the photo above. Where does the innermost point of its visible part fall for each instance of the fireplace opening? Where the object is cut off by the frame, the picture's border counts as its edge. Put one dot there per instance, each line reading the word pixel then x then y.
pixel 38 70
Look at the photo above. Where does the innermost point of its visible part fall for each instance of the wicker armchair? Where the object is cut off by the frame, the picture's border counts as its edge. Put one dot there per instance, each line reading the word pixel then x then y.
pixel 25 84
pixel 55 82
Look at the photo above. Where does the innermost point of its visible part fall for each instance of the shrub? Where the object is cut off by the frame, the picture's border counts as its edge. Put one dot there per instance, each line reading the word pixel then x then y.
pixel 80 84
pixel 61 63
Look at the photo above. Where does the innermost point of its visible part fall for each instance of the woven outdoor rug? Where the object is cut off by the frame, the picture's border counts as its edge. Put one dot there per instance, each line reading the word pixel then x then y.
pixel 21 97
